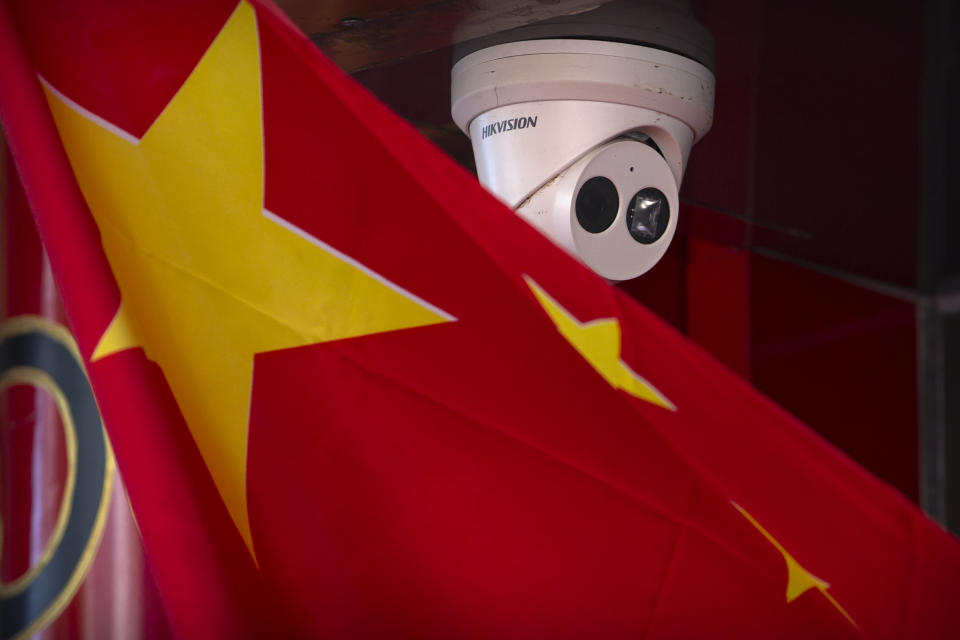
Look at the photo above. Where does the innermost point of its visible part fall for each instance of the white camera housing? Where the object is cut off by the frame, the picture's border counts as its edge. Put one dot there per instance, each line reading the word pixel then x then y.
pixel 546 116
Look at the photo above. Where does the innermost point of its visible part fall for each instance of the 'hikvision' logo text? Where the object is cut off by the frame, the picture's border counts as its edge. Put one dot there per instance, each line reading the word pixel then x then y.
pixel 508 125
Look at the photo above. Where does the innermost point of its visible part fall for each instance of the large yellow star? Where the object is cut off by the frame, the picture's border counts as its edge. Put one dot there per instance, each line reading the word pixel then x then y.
pixel 207 276
pixel 799 579
pixel 598 341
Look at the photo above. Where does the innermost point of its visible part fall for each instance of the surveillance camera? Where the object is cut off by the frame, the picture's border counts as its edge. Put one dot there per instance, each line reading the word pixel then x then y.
pixel 587 138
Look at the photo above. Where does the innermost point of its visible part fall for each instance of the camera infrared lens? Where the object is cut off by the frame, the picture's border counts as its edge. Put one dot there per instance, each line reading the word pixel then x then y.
pixel 597 204
pixel 648 215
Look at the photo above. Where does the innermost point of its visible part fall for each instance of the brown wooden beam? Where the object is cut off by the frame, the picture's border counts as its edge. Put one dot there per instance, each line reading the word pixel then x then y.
pixel 359 34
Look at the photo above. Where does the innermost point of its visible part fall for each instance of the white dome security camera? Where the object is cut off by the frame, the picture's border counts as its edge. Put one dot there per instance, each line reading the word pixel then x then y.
pixel 586 137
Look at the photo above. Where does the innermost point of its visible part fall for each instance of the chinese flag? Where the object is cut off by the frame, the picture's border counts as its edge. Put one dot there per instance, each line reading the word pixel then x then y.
pixel 352 395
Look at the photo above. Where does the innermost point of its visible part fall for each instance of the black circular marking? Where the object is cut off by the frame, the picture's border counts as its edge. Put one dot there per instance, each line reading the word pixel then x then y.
pixel 648 215
pixel 597 204
pixel 38 350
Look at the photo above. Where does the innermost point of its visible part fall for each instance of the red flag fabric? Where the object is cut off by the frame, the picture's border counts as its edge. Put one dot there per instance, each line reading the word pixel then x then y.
pixel 351 394
pixel 72 563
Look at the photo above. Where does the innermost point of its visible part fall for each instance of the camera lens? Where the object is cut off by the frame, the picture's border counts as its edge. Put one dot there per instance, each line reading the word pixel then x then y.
pixel 648 215
pixel 597 204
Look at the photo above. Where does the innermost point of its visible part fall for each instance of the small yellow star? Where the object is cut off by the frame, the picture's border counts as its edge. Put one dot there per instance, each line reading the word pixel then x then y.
pixel 799 580
pixel 207 277
pixel 598 341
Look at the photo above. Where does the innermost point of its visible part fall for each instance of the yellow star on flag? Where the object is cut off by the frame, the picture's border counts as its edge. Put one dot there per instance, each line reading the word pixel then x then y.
pixel 598 341
pixel 799 579
pixel 207 276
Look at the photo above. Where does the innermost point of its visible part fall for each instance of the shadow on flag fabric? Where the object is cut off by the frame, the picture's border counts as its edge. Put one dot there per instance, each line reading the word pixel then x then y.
pixel 352 395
